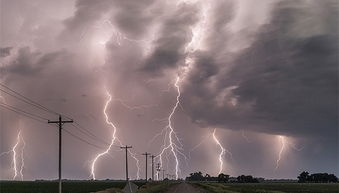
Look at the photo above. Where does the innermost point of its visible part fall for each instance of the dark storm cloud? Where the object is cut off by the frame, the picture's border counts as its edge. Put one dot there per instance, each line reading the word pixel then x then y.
pixel 175 33
pixel 5 51
pixel 133 18
pixel 86 14
pixel 284 83
pixel 28 62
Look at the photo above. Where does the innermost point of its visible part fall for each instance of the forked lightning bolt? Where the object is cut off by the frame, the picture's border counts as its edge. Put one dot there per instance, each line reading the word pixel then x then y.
pixel 171 140
pixel 284 142
pixel 15 162
pixel 113 140
pixel 222 152
pixel 172 137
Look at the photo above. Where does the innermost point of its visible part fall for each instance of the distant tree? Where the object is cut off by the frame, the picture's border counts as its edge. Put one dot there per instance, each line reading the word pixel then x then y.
pixel 247 179
pixel 207 177
pixel 303 177
pixel 223 178
pixel 196 176
pixel 317 178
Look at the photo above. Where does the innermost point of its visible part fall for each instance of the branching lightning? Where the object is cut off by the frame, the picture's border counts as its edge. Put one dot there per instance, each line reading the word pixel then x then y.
pixel 16 156
pixel 171 143
pixel 113 141
pixel 222 152
pixel 171 140
pixel 284 142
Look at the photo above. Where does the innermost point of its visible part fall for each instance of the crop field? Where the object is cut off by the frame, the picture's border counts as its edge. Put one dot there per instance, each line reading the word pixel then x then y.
pixel 52 187
pixel 268 187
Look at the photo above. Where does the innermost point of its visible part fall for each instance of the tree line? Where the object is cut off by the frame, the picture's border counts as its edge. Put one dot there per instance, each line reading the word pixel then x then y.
pixel 306 177
pixel 198 176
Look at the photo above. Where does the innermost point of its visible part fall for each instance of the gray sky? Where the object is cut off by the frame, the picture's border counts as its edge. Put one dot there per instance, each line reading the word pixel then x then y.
pixel 263 73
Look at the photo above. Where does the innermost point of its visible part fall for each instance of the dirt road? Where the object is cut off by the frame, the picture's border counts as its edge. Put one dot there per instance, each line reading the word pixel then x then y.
pixel 185 188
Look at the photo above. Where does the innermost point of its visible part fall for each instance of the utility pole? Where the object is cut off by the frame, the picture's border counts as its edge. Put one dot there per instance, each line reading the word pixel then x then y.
pixel 158 170
pixel 163 174
pixel 126 148
pixel 146 155
pixel 60 122
pixel 152 156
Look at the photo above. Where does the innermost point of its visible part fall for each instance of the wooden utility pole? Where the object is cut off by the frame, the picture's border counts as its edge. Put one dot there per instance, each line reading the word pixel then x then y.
pixel 60 122
pixel 152 156
pixel 126 148
pixel 146 155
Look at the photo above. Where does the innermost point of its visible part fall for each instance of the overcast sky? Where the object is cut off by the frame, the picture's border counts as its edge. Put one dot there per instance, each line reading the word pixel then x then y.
pixel 256 71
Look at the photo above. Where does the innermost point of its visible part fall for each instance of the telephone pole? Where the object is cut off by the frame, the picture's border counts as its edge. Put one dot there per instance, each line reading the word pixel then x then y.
pixel 146 155
pixel 60 122
pixel 126 148
pixel 152 156
pixel 158 170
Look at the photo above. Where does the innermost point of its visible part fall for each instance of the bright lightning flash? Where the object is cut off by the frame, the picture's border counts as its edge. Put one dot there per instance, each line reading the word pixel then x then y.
pixel 172 137
pixel 284 142
pixel 113 140
pixel 222 152
pixel 14 151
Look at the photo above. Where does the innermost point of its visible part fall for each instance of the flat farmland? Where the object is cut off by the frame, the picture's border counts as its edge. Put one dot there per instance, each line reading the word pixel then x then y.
pixel 52 186
pixel 268 187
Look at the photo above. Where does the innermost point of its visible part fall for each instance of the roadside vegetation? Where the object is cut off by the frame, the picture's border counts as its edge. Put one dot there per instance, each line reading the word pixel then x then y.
pixel 214 187
pixel 156 187
pixel 68 186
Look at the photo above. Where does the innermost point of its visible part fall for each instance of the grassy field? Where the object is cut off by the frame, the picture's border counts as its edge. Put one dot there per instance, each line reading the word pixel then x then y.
pixel 268 187
pixel 52 187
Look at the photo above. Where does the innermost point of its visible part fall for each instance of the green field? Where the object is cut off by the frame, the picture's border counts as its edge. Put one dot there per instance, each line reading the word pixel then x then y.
pixel 268 187
pixel 52 187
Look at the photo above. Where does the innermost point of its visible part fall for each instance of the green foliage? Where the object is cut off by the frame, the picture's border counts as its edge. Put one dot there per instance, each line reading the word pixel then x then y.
pixel 52 186
pixel 268 187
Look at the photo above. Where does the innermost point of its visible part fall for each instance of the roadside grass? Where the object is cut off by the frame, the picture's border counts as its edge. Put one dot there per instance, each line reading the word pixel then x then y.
pixel 68 186
pixel 213 187
pixel 156 187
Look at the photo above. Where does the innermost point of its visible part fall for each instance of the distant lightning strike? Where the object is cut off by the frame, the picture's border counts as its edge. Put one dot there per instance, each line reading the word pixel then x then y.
pixel 113 140
pixel 171 140
pixel 222 152
pixel 172 137
pixel 17 170
pixel 282 141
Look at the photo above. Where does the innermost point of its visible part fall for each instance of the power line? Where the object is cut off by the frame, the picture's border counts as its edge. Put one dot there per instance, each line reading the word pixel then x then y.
pixel 27 102
pixel 24 113
pixel 88 133
pixel 30 101
pixel 83 140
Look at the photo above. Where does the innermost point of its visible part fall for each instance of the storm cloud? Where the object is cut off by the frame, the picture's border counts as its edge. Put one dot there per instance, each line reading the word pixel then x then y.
pixel 258 70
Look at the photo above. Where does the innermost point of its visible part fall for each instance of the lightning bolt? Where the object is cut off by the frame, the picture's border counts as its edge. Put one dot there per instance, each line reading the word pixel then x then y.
pixel 174 148
pixel 15 158
pixel 222 152
pixel 171 140
pixel 113 140
pixel 22 158
pixel 282 141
